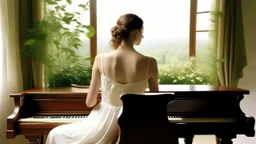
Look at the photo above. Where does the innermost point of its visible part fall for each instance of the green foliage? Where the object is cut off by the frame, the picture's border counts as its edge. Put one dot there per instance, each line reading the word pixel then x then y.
pixel 54 40
pixel 70 73
pixel 185 72
pixel 34 47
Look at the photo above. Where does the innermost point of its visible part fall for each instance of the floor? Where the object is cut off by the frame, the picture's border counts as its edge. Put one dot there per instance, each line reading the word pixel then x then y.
pixel 201 140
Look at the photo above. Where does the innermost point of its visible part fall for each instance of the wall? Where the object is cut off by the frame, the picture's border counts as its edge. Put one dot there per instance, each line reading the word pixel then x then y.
pixel 249 80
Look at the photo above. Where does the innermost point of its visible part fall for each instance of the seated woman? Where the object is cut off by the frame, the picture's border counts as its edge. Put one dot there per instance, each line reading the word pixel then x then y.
pixel 123 70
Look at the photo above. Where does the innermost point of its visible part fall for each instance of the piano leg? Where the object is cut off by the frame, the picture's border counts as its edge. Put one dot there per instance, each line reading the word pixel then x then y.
pixel 188 139
pixel 35 139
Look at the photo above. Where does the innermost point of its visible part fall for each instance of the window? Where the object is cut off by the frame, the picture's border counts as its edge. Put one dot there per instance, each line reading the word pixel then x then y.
pixel 174 32
pixel 84 18
pixel 203 26
pixel 166 29
pixel 173 29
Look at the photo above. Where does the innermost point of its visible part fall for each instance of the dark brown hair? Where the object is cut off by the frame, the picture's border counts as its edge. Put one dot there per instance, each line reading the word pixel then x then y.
pixel 125 24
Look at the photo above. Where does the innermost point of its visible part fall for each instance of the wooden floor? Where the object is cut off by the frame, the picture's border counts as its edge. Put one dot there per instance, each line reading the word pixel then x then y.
pixel 201 140
pixel 197 140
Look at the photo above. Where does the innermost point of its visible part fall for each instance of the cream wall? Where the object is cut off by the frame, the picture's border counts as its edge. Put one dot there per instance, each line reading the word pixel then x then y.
pixel 248 81
pixel 248 104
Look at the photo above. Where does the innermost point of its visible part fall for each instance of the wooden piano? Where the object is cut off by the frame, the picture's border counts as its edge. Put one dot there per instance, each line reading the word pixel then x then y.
pixel 196 110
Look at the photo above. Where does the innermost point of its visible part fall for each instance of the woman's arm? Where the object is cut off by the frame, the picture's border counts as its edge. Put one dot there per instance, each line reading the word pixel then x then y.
pixel 119 135
pixel 153 80
pixel 91 98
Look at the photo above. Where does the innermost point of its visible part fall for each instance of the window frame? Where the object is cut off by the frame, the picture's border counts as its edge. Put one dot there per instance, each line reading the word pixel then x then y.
pixel 193 27
pixel 192 36
pixel 93 22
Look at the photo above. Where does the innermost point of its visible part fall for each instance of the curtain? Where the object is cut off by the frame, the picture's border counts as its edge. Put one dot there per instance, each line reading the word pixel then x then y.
pixel 230 42
pixel 10 67
pixel 32 70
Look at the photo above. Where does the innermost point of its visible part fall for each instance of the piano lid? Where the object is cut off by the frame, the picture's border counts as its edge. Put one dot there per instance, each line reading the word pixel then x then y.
pixel 162 88
pixel 200 88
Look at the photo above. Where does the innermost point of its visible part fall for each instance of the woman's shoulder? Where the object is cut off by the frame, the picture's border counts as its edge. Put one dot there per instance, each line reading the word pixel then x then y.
pixel 151 60
pixel 98 57
pixel 148 57
pixel 101 55
pixel 111 54
pixel 105 54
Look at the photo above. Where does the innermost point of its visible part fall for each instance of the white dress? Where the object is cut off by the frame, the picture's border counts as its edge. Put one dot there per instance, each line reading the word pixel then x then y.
pixel 101 126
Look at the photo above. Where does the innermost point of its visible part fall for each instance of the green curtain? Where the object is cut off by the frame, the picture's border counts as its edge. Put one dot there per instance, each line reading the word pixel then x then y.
pixel 29 12
pixel 230 43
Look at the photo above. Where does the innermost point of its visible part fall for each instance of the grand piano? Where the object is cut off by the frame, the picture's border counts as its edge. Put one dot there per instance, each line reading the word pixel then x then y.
pixel 196 110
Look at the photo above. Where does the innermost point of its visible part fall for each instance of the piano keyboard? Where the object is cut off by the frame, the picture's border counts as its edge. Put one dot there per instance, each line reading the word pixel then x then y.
pixel 52 119
pixel 69 119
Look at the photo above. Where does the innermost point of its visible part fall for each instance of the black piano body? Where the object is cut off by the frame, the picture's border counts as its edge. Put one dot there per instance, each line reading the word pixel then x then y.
pixel 196 110
pixel 209 110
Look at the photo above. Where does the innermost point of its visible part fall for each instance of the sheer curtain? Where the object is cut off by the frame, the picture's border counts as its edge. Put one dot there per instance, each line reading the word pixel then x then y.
pixel 10 70
pixel 230 42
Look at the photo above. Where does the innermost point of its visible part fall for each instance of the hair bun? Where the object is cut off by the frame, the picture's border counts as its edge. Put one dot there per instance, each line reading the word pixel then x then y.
pixel 119 31
pixel 125 24
pixel 115 31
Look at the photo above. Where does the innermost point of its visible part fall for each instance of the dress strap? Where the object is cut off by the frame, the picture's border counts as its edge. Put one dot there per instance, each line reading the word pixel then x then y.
pixel 147 68
pixel 102 70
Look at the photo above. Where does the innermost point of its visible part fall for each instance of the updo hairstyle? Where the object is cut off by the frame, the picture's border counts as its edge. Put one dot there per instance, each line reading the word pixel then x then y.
pixel 125 24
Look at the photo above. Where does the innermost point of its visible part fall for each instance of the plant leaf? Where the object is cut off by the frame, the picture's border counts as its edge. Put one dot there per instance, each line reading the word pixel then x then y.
pixel 29 42
pixel 50 2
pixel 82 6
pixel 89 34
pixel 69 2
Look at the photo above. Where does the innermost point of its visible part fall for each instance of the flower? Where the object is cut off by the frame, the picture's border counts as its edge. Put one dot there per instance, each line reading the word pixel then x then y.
pixel 186 72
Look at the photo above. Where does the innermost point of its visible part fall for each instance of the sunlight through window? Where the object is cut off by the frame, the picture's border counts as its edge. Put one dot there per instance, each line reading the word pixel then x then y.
pixel 166 26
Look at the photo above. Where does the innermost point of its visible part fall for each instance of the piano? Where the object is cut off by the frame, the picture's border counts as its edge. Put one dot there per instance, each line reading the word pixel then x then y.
pixel 196 110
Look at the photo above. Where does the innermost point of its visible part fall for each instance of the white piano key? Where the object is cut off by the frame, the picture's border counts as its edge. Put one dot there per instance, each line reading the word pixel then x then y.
pixel 200 120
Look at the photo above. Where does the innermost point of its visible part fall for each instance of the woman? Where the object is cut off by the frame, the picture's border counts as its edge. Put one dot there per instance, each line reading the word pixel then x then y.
pixel 120 71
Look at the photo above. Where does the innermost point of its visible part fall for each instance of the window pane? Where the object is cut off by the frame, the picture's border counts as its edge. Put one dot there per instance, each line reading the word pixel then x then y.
pixel 203 41
pixel 206 56
pixel 203 21
pixel 204 5
pixel 166 26
pixel 83 50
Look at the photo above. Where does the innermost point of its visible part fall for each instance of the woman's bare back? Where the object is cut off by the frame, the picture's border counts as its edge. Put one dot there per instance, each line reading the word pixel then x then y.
pixel 125 66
